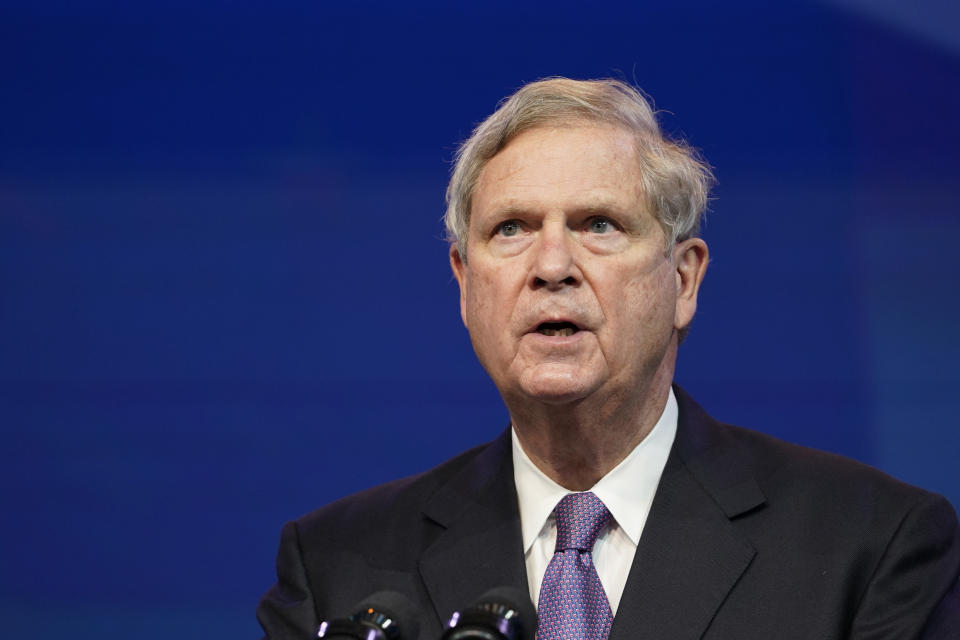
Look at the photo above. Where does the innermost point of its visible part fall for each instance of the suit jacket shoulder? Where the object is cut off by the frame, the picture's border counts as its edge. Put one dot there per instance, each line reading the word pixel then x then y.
pixel 441 538
pixel 365 516
pixel 760 538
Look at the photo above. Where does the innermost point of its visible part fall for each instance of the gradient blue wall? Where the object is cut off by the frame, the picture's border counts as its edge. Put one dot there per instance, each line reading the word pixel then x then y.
pixel 224 299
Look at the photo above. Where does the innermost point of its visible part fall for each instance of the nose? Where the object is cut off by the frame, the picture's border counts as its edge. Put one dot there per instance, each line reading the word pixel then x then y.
pixel 554 264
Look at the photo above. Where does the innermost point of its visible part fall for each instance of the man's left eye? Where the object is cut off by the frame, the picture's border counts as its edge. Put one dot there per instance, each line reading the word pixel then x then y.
pixel 599 225
pixel 508 228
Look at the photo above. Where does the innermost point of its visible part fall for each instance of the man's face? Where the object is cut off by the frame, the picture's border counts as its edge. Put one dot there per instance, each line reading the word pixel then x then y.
pixel 567 289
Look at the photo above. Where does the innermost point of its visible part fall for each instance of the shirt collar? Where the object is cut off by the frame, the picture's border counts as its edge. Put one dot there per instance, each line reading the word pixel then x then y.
pixel 627 490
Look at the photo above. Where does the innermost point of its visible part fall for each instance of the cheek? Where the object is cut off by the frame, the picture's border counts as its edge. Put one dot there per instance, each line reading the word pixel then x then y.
pixel 491 290
pixel 484 309
pixel 478 296
pixel 649 300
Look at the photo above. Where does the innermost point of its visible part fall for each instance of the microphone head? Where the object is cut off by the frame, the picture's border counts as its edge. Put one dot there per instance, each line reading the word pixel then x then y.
pixel 394 612
pixel 385 615
pixel 503 613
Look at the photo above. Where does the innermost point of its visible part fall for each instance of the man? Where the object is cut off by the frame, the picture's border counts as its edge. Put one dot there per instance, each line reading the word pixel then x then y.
pixel 574 241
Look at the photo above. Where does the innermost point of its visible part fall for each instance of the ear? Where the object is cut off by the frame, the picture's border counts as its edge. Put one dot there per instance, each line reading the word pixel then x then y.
pixel 459 268
pixel 690 258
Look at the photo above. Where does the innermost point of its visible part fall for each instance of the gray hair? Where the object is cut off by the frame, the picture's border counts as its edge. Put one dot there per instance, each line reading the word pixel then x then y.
pixel 675 180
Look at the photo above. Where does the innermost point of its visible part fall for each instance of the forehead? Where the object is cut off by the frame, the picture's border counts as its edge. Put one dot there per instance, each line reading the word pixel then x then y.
pixel 560 167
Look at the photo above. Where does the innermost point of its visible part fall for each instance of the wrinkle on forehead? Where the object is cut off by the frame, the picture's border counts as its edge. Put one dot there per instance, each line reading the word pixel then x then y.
pixel 571 191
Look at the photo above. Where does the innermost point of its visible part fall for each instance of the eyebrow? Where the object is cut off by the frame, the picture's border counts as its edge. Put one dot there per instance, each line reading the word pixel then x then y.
pixel 600 207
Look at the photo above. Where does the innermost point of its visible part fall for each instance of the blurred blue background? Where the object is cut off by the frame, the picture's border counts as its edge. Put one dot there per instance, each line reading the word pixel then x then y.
pixel 225 300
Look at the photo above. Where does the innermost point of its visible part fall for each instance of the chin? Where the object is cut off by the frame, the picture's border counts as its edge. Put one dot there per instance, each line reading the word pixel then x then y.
pixel 557 389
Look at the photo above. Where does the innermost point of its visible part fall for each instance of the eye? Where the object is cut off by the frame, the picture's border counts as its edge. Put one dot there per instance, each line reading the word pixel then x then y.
pixel 600 224
pixel 509 228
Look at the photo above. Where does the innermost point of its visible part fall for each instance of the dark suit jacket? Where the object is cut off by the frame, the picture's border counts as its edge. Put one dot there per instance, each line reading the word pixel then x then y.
pixel 748 537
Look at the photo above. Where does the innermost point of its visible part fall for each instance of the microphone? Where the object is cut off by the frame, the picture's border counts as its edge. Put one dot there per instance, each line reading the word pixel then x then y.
pixel 504 613
pixel 378 617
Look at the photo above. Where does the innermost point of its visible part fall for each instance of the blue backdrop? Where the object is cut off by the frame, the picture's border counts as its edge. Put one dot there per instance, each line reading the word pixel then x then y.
pixel 225 300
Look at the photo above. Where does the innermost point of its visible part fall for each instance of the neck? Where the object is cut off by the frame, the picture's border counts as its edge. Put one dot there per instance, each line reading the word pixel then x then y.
pixel 577 444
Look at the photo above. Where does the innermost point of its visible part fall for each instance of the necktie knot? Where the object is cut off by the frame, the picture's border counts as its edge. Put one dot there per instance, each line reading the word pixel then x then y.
pixel 580 517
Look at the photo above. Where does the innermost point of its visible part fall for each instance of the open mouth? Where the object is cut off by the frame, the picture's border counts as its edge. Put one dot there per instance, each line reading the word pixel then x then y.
pixel 557 328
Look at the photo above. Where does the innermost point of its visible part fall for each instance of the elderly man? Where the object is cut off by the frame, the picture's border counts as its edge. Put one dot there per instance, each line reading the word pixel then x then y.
pixel 613 498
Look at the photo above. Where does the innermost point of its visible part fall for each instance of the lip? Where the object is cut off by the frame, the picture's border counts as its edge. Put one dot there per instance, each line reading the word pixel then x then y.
pixel 538 338
pixel 556 320
pixel 556 341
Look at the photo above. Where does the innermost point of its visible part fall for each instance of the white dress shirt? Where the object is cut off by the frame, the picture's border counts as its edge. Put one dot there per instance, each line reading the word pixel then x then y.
pixel 627 491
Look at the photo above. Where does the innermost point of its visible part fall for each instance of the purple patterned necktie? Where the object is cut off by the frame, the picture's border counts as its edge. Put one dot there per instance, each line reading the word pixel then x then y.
pixel 573 605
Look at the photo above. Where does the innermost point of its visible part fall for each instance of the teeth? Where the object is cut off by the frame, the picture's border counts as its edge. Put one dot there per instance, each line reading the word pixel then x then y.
pixel 549 331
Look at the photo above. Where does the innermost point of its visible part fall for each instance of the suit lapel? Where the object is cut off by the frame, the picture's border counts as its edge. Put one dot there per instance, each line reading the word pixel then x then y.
pixel 690 555
pixel 481 546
